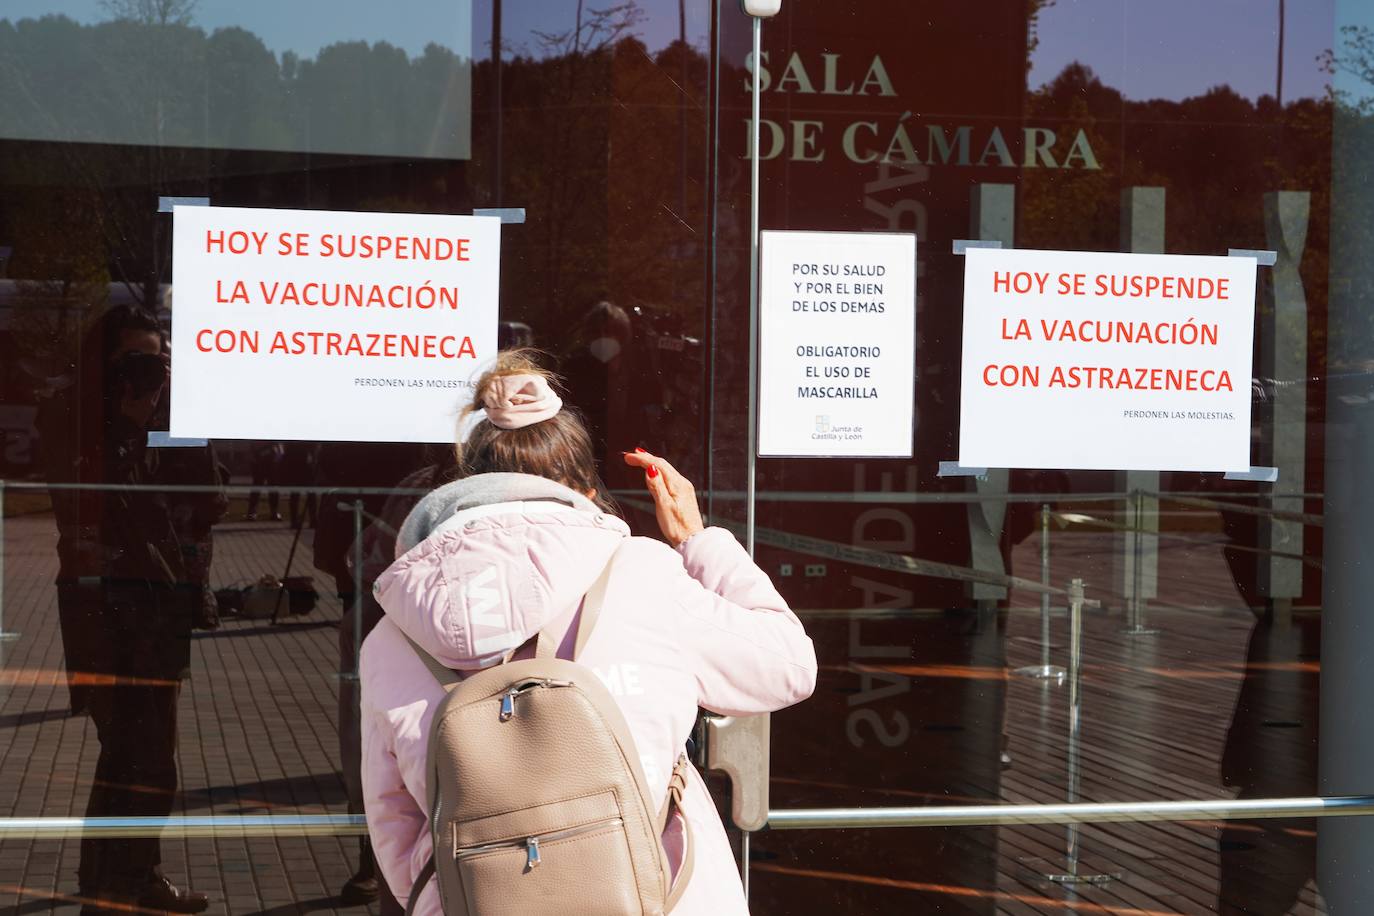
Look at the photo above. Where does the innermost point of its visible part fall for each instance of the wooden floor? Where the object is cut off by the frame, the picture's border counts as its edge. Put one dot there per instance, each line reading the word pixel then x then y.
pixel 1160 714
pixel 1157 715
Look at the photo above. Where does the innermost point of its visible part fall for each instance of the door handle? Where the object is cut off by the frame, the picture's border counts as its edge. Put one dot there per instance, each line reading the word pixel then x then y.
pixel 738 746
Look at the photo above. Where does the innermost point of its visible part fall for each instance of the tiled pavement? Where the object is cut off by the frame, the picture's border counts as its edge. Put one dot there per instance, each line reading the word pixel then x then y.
pixel 258 735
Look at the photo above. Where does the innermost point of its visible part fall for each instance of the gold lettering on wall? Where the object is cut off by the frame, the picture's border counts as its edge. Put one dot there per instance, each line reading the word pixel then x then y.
pixel 899 143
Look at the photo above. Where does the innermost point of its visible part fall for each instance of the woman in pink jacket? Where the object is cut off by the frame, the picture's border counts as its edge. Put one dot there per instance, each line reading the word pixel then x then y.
pixel 525 533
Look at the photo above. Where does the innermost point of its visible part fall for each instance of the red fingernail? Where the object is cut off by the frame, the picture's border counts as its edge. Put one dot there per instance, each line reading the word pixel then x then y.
pixel 653 471
pixel 640 450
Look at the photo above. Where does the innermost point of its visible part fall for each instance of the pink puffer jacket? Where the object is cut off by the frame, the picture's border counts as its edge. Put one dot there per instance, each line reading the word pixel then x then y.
pixel 700 626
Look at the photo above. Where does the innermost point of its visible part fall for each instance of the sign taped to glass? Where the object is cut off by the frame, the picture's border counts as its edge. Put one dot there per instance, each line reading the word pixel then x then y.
pixel 837 322
pixel 320 325
pixel 1150 355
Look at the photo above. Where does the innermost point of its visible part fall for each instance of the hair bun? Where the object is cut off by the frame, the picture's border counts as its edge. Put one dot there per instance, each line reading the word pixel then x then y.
pixel 517 401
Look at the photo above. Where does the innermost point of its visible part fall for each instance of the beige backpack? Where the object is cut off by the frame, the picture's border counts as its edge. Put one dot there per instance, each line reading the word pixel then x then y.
pixel 538 803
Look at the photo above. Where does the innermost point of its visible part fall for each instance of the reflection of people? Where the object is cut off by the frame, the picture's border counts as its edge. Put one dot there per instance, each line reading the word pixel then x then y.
pixel 348 465
pixel 298 470
pixel 266 471
pixel 126 600
pixel 513 335
pixel 379 547
pixel 597 365
pixel 699 626
pixel 1271 752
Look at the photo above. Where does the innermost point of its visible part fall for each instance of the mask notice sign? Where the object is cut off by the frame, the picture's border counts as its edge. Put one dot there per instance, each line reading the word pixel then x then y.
pixel 1103 361
pixel 325 325
pixel 837 344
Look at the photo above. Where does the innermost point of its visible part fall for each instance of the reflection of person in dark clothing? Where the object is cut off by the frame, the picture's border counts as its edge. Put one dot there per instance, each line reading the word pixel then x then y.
pixel 298 470
pixel 126 601
pixel 266 471
pixel 346 465
pixel 597 365
pixel 1271 752
pixel 379 551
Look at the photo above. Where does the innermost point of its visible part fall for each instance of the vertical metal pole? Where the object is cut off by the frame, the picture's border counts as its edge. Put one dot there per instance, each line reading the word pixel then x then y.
pixel 496 100
pixel 1137 534
pixel 1278 88
pixel 1075 709
pixel 2 559
pixel 682 110
pixel 5 636
pixel 1045 581
pixel 357 587
pixel 1044 671
pixel 751 484
pixel 756 131
pixel 744 859
pixel 1139 558
pixel 1072 875
pixel 1135 523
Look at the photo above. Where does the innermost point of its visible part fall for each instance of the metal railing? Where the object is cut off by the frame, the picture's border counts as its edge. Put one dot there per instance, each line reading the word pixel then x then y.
pixel 1070 814
pixel 257 825
pixel 990 815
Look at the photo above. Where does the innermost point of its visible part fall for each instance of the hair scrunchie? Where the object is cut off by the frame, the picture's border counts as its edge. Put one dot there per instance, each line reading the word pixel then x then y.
pixel 517 401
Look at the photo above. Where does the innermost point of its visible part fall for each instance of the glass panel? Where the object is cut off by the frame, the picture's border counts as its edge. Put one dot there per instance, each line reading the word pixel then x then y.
pixel 1088 126
pixel 133 581
pixel 144 585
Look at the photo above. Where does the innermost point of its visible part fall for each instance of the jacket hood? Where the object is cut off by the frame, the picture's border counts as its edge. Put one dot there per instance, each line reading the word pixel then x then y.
pixel 488 561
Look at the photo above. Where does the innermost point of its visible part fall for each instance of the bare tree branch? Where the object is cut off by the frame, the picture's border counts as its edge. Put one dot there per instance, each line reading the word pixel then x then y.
pixel 152 12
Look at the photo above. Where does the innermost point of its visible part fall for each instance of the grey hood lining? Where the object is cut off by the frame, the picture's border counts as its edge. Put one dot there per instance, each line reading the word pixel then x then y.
pixel 481 490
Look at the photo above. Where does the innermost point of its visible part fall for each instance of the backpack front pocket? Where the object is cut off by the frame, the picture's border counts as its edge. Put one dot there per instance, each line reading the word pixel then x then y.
pixel 586 868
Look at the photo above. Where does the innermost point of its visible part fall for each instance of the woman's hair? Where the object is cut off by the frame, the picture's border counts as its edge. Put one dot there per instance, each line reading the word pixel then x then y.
pixel 558 448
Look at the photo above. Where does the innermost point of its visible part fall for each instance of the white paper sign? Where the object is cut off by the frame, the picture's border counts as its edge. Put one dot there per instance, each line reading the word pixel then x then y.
pixel 322 325
pixel 1085 360
pixel 837 344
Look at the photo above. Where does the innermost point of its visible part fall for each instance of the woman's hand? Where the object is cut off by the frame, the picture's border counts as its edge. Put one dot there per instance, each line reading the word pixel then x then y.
pixel 675 499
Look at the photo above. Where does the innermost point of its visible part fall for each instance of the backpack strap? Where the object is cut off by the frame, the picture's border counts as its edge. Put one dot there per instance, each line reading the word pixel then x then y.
pixel 677 784
pixel 446 677
pixel 420 881
pixel 592 603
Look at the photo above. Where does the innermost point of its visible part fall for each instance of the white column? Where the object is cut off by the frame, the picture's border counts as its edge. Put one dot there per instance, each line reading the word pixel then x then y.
pixel 1142 232
pixel 1345 845
pixel 1283 358
pixel 992 217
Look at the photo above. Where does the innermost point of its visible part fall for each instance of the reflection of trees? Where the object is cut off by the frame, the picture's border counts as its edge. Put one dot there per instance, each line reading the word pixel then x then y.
pixel 1067 206
pixel 150 77
pixel 593 140
pixel 1352 138
pixel 1355 58
pixel 556 139
pixel 1033 10
pixel 64 254
pixel 606 145
pixel 165 92
pixel 588 103
pixel 1217 154
pixel 152 12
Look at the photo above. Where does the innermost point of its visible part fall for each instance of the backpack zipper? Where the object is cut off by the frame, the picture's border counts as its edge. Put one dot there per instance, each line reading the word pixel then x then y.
pixel 531 843
pixel 508 698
